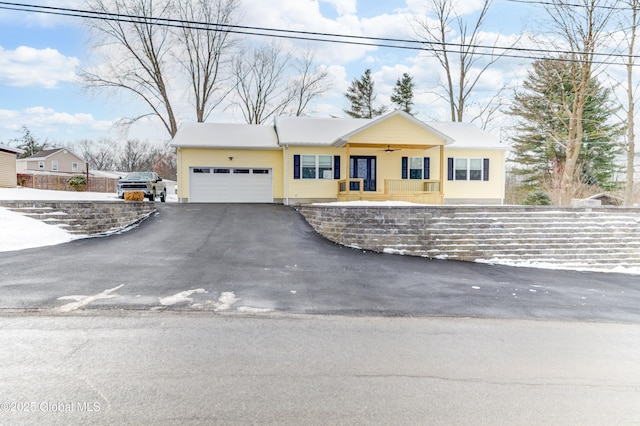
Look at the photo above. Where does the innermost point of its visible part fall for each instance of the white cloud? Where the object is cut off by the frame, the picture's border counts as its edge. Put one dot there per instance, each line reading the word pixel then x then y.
pixel 304 15
pixel 47 20
pixel 29 67
pixel 48 123
pixel 343 7
pixel 462 7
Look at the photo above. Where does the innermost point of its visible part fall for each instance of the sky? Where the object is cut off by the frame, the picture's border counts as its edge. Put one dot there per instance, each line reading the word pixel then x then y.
pixel 42 55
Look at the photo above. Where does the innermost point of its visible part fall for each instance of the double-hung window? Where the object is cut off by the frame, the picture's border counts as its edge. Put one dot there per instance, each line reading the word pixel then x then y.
pixel 316 166
pixel 54 165
pixel 416 168
pixel 468 169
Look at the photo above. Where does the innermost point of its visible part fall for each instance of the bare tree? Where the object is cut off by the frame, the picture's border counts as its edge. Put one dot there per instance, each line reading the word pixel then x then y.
pixel 101 154
pixel 137 53
pixel 260 86
pixel 631 35
pixel 455 43
pixel 205 48
pixel 309 84
pixel 581 25
pixel 165 163
pixel 137 156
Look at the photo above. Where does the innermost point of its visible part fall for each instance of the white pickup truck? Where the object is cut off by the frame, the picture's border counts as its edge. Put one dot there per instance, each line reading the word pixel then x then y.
pixel 148 182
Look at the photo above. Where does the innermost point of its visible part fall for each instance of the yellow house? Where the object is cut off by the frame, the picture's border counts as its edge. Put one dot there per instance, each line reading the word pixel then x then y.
pixel 300 160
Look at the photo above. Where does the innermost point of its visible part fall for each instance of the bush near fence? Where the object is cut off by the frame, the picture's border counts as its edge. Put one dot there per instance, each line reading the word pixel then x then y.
pixel 61 182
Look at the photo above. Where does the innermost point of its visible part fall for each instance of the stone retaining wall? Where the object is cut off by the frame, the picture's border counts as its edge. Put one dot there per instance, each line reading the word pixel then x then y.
pixel 595 235
pixel 84 217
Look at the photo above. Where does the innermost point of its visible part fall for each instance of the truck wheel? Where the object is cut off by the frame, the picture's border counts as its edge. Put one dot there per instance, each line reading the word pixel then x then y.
pixel 151 197
pixel 163 196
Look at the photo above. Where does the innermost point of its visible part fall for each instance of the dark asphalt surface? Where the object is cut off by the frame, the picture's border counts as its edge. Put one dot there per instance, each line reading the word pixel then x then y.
pixel 271 259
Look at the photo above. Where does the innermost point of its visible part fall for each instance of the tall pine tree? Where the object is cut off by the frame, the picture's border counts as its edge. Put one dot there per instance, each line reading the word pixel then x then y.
pixel 362 95
pixel 543 112
pixel 402 94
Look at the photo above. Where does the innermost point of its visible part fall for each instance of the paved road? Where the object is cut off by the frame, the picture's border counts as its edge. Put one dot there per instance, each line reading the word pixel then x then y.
pixel 179 369
pixel 257 258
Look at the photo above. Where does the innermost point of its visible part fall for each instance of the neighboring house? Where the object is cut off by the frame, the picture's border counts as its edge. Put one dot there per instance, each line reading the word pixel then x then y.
pixel 59 160
pixel 8 166
pixel 301 160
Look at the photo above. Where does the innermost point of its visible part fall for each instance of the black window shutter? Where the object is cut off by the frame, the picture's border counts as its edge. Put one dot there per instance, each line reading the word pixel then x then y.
pixel 405 167
pixel 450 168
pixel 485 169
pixel 296 166
pixel 336 167
pixel 426 173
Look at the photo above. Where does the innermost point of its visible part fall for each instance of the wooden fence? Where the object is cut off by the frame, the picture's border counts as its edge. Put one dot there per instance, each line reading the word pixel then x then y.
pixel 60 182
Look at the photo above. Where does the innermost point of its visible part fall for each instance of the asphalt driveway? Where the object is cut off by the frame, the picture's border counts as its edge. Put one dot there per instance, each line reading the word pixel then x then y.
pixel 266 258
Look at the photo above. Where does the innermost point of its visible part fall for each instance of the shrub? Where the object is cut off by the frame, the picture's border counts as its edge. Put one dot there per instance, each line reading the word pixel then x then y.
pixel 539 198
pixel 77 182
pixel 134 196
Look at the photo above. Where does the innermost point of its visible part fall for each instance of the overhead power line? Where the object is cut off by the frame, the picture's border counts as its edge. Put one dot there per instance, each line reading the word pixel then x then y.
pixel 573 5
pixel 394 43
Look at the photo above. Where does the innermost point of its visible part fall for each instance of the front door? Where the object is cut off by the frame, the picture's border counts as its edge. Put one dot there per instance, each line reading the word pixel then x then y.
pixel 365 169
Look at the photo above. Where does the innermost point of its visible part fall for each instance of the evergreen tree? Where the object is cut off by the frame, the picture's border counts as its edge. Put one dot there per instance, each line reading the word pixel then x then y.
pixel 539 145
pixel 361 94
pixel 28 143
pixel 403 93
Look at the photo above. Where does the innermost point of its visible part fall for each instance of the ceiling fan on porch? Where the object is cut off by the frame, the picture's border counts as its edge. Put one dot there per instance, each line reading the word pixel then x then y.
pixel 389 149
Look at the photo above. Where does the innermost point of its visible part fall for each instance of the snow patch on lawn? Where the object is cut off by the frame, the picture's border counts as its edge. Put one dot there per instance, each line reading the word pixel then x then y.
pixel 19 232
pixel 16 194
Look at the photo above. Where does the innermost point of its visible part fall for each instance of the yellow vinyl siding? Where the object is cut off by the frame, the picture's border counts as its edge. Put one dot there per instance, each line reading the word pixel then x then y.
pixel 388 166
pixel 202 157
pixel 493 188
pixel 396 131
pixel 315 188
pixel 7 170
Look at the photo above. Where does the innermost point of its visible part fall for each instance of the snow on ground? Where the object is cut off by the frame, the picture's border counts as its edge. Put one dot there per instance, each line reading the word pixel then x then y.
pixel 560 267
pixel 18 232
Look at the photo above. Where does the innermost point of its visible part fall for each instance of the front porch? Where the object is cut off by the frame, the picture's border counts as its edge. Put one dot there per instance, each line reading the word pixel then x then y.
pixel 414 191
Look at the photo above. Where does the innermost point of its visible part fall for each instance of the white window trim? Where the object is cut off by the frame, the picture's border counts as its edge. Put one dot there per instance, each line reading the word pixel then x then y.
pixel 468 160
pixel 317 166
pixel 421 168
pixel 41 164
pixel 74 167
pixel 54 165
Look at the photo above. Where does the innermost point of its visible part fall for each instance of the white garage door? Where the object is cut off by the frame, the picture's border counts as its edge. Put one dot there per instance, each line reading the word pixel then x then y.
pixel 230 185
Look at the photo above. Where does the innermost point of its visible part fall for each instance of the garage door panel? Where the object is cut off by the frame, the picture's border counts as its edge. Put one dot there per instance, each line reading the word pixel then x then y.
pixel 230 185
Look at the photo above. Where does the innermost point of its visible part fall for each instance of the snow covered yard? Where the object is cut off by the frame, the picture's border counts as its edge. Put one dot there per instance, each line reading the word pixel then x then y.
pixel 18 232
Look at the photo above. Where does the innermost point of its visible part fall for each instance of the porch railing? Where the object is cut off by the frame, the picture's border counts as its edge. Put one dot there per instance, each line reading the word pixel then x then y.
pixel 351 185
pixel 402 186
pixel 421 191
